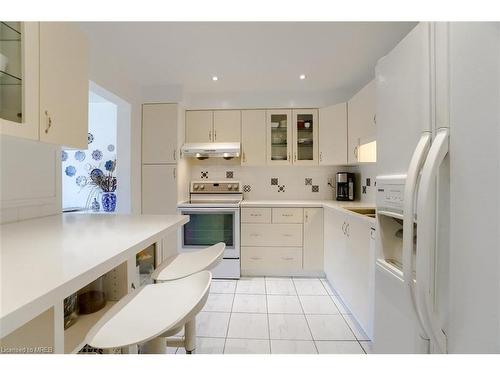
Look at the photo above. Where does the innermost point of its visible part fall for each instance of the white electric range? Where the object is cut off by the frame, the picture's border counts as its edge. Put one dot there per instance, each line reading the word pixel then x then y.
pixel 214 216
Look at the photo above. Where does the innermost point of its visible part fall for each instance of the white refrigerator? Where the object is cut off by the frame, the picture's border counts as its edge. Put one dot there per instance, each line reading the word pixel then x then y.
pixel 437 284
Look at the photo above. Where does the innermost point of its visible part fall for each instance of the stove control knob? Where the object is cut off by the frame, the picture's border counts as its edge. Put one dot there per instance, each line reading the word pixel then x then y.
pixel 230 187
pixel 235 187
pixel 202 187
pixel 195 187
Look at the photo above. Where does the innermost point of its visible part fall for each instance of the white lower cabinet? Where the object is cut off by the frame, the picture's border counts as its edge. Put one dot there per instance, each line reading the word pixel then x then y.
pixel 271 261
pixel 313 240
pixel 348 262
pixel 159 189
pixel 271 235
pixel 281 241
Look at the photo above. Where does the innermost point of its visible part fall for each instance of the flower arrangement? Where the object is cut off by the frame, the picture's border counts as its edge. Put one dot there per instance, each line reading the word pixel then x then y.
pixel 107 183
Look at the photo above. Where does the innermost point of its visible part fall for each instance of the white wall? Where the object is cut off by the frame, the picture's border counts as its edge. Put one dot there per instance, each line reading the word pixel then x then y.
pixel 272 99
pixel 105 72
pixel 103 127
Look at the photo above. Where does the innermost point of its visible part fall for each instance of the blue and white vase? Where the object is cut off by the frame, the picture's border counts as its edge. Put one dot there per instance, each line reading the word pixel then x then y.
pixel 109 202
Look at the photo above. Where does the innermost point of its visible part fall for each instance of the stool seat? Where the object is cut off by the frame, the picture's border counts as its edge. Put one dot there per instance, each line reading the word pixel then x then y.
pixel 185 264
pixel 150 311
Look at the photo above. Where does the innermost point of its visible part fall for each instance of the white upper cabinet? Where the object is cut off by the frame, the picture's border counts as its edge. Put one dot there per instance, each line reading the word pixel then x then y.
pixel 279 137
pixel 64 85
pixel 159 133
pixel 19 76
pixel 305 136
pixel 362 130
pixel 227 126
pixel 199 126
pixel 253 137
pixel 213 126
pixel 333 135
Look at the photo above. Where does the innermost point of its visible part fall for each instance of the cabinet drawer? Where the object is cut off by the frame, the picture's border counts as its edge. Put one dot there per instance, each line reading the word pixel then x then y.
pixel 287 215
pixel 271 235
pixel 256 215
pixel 271 259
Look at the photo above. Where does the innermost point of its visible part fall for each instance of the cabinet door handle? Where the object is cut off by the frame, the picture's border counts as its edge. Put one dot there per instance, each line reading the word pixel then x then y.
pixel 215 135
pixel 244 157
pixel 286 215
pixel 174 173
pixel 289 156
pixel 347 230
pixel 375 119
pixel 255 258
pixel 254 235
pixel 256 215
pixel 343 227
pixel 175 154
pixel 321 156
pixel 287 235
pixel 48 122
pixel 294 156
pixel 287 258
pixel 210 135
pixel 306 217
pixel 356 152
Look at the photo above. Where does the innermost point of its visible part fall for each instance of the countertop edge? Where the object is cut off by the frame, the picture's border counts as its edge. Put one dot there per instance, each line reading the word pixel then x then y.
pixel 329 204
pixel 11 320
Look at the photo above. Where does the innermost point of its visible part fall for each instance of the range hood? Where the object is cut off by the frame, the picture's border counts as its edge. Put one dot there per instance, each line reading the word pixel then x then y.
pixel 226 150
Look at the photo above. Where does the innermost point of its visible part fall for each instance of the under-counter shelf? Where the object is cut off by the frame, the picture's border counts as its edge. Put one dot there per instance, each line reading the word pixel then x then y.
pixel 74 336
pixel 9 79
pixel 10 31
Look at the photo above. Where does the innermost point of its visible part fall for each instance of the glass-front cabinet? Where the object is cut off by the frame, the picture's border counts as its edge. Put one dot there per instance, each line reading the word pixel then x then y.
pixel 305 136
pixel 19 76
pixel 279 137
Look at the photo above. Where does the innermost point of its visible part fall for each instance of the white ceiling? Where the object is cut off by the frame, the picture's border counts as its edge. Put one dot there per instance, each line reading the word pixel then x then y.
pixel 247 57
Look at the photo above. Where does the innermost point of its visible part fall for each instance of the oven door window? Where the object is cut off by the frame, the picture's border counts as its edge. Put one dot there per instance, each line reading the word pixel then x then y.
pixel 206 229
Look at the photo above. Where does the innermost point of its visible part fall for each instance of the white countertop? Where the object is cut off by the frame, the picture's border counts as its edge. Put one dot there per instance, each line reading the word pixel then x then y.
pixel 327 204
pixel 44 260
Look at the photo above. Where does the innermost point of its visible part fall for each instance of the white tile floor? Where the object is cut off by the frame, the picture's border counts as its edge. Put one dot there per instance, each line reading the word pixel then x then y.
pixel 276 315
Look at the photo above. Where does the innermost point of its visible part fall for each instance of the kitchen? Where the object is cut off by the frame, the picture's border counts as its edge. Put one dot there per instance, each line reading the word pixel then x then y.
pixel 286 208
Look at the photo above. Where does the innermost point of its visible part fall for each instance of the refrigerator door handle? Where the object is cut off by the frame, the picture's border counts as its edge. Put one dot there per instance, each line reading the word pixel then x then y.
pixel 426 238
pixel 416 163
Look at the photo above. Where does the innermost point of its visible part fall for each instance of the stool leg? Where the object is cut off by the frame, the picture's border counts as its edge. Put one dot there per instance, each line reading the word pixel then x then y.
pixel 158 345
pixel 190 336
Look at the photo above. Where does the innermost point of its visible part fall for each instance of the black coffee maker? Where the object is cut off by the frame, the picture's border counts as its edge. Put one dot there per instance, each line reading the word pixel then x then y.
pixel 345 186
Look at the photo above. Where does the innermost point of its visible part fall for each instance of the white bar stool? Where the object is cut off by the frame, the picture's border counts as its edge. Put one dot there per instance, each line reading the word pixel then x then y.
pixel 185 264
pixel 179 266
pixel 143 316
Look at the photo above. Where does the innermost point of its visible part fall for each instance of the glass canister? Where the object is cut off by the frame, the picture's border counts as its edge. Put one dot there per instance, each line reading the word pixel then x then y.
pixel 70 310
pixel 91 298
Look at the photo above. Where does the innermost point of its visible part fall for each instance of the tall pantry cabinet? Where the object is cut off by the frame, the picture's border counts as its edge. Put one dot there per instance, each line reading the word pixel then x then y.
pixel 159 164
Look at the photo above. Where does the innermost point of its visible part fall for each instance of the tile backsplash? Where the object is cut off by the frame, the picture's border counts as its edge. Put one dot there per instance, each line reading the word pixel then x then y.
pixel 273 182
pixel 365 188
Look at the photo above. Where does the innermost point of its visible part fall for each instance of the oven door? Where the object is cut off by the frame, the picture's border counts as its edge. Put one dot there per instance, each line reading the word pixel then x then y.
pixel 208 226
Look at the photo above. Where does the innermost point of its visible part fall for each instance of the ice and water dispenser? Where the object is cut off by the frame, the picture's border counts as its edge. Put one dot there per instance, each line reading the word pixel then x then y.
pixel 390 200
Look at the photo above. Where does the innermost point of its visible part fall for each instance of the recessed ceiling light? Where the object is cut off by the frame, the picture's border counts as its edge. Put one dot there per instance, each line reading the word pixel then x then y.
pixel 302 76
pixel 215 78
